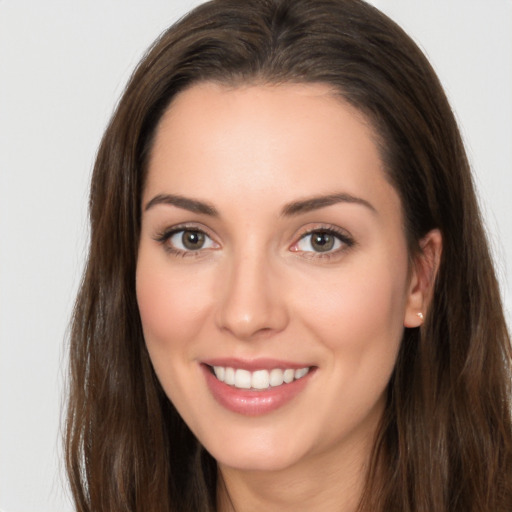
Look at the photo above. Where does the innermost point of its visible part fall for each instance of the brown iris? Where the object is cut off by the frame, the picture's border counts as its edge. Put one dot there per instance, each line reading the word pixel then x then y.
pixel 322 241
pixel 193 240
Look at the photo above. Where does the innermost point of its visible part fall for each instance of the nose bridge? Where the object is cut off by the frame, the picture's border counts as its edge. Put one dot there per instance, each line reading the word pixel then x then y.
pixel 251 302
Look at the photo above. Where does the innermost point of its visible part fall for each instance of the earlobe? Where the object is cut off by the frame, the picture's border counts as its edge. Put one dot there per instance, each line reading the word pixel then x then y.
pixel 423 275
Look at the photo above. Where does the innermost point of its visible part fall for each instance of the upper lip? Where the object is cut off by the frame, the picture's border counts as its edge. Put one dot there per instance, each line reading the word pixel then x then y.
pixel 254 364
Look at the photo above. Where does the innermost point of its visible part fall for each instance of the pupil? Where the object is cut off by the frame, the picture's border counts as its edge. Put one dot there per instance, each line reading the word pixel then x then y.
pixel 193 239
pixel 322 242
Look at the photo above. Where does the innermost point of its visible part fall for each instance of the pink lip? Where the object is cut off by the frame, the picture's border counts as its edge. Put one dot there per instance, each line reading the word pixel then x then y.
pixel 254 403
pixel 254 364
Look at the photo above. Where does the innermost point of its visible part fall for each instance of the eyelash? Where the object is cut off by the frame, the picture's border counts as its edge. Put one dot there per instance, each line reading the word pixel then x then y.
pixel 346 241
pixel 164 237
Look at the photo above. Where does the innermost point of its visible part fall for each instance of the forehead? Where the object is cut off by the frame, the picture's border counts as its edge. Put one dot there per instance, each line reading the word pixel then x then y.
pixel 296 139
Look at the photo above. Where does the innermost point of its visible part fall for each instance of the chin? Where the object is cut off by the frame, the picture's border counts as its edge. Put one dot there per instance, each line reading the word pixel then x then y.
pixel 257 461
pixel 256 451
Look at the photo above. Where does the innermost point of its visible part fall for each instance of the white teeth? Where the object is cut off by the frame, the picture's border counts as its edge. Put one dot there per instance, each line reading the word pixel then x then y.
pixel 243 379
pixel 229 376
pixel 289 375
pixel 259 379
pixel 220 372
pixel 276 377
pixel 301 372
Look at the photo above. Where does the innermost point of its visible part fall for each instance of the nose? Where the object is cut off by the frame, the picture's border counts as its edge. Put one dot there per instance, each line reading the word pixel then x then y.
pixel 251 298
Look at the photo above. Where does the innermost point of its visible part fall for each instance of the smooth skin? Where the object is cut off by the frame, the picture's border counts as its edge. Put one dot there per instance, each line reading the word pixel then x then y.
pixel 240 263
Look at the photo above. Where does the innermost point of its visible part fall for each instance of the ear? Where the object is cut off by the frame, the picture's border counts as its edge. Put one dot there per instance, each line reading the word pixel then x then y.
pixel 422 279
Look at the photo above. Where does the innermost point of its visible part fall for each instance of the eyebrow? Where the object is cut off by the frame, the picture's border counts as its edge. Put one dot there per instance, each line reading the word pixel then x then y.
pixel 290 209
pixel 192 205
pixel 317 202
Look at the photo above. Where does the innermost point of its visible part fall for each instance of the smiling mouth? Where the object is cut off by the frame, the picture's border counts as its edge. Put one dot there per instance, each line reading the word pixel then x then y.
pixel 259 380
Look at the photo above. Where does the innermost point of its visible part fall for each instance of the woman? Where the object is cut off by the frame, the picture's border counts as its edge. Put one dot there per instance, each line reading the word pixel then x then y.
pixel 289 301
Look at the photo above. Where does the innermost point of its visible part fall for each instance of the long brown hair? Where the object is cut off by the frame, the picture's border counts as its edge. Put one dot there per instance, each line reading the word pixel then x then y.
pixel 445 440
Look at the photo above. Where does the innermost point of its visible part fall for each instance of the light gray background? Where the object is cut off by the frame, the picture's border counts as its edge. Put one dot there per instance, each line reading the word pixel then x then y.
pixel 63 65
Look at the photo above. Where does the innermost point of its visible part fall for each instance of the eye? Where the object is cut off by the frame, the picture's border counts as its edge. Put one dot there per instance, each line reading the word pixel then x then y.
pixel 322 241
pixel 190 240
pixel 185 241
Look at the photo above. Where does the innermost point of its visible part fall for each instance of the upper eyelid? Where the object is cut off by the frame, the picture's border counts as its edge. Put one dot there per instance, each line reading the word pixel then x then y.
pixel 164 237
pixel 171 230
pixel 346 239
pixel 329 228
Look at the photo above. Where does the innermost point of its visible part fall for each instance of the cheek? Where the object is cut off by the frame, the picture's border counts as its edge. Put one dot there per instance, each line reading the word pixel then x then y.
pixel 361 309
pixel 172 304
pixel 359 319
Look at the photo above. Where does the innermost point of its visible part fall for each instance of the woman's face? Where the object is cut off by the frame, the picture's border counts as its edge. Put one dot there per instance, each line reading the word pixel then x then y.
pixel 272 253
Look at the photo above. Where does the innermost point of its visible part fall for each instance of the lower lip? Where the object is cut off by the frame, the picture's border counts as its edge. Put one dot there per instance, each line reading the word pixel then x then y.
pixel 253 403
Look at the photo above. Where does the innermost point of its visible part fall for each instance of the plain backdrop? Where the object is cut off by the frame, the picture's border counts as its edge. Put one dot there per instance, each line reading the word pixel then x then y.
pixel 63 65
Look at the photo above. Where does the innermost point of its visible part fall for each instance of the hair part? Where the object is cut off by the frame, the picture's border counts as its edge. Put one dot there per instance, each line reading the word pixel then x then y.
pixel 445 440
